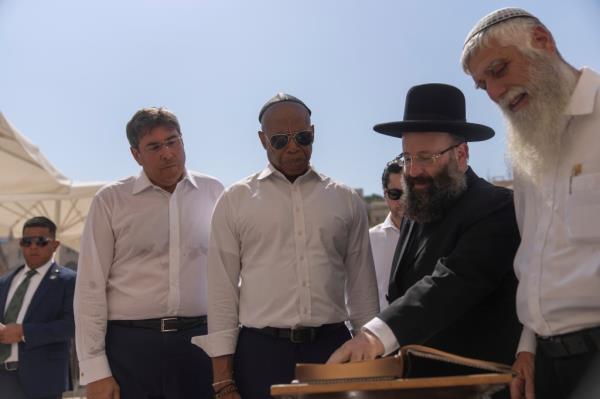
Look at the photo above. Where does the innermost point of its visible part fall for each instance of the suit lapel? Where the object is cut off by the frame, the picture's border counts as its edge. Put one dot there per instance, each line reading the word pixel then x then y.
pixel 422 245
pixel 399 253
pixel 4 288
pixel 45 284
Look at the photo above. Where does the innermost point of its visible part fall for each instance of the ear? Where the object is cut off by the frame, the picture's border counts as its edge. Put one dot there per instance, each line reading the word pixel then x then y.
pixel 55 245
pixel 263 139
pixel 462 155
pixel 136 155
pixel 542 39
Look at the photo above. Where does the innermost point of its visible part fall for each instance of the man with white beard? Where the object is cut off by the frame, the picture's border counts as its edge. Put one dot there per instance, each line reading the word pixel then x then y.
pixel 552 112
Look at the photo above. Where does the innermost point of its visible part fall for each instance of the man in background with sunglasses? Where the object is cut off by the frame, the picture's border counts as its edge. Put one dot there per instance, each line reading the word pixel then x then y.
pixel 289 260
pixel 452 286
pixel 141 286
pixel 36 319
pixel 384 237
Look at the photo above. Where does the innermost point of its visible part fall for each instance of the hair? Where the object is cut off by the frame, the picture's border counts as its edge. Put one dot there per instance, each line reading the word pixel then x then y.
pixel 41 221
pixel 147 119
pixel 510 32
pixel 391 167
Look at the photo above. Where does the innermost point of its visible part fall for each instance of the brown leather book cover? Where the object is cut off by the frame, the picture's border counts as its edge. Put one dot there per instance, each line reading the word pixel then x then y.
pixel 411 361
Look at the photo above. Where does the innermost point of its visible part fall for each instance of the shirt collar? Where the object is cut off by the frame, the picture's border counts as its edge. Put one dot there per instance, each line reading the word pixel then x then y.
pixel 42 269
pixel 583 99
pixel 142 182
pixel 270 170
pixel 388 223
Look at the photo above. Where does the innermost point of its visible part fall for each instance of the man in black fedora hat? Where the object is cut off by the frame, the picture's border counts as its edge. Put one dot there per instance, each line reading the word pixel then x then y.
pixel 452 286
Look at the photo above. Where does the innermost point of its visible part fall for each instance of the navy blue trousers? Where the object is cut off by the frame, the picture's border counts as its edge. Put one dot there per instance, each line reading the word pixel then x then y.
pixel 11 388
pixel 261 360
pixel 148 364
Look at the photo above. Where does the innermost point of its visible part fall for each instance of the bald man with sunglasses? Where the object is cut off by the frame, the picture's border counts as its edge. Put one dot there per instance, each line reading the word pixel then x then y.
pixel 289 260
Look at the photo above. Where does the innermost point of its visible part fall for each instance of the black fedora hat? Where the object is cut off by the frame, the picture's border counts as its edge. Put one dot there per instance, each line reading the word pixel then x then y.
pixel 436 107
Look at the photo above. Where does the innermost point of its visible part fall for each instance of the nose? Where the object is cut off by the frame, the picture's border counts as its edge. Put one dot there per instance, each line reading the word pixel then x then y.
pixel 166 152
pixel 413 169
pixel 292 146
pixel 495 90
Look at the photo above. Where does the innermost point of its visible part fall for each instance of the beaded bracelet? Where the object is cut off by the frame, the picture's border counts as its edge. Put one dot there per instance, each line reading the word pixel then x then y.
pixel 227 389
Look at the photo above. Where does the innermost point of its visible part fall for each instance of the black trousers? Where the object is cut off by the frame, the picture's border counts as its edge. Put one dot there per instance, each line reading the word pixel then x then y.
pixel 557 378
pixel 148 364
pixel 261 361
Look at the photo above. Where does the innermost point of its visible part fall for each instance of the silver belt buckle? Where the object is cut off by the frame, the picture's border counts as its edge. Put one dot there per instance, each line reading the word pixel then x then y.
pixel 162 324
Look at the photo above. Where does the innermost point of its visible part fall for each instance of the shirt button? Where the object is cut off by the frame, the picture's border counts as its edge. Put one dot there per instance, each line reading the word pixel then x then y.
pixel 297 209
pixel 301 257
pixel 299 233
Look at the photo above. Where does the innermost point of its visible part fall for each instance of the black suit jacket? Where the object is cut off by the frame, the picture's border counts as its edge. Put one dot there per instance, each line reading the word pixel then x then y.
pixel 48 327
pixel 452 285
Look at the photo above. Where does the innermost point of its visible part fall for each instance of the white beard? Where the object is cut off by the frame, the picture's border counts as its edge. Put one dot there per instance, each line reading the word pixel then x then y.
pixel 535 133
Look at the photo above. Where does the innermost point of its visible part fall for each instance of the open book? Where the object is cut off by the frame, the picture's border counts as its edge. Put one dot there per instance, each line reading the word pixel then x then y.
pixel 411 362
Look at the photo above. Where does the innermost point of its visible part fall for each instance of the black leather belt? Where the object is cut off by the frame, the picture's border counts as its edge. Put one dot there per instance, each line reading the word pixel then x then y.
pixel 297 335
pixel 166 324
pixel 574 343
pixel 9 366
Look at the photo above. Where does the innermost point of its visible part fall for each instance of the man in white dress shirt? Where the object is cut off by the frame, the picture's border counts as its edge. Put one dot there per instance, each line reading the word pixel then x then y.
pixel 289 260
pixel 141 288
pixel 553 115
pixel 384 236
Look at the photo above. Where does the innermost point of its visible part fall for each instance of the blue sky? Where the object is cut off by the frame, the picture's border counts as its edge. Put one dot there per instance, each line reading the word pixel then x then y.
pixel 73 72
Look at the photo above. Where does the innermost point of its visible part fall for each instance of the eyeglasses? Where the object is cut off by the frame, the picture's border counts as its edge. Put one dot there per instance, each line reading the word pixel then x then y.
pixel 393 193
pixel 280 140
pixel 422 159
pixel 171 142
pixel 40 241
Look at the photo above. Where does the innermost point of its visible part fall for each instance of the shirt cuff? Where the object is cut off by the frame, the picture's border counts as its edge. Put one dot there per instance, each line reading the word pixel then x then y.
pixel 94 369
pixel 527 343
pixel 384 333
pixel 218 343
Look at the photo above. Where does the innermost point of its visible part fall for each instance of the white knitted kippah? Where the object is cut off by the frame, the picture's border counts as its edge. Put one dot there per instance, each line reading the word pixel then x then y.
pixel 495 17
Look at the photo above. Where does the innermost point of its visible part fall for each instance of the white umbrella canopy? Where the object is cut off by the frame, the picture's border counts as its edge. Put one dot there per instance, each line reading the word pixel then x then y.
pixel 30 186
pixel 67 210
pixel 24 170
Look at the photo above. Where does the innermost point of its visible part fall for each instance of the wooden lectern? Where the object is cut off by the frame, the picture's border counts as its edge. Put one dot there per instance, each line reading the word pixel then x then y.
pixel 455 387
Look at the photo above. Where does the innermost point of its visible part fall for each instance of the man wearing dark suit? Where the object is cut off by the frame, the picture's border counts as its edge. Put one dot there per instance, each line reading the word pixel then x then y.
pixel 452 284
pixel 36 319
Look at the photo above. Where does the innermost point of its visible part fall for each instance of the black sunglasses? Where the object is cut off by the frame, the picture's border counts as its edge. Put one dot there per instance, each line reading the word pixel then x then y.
pixel 40 241
pixel 393 193
pixel 280 141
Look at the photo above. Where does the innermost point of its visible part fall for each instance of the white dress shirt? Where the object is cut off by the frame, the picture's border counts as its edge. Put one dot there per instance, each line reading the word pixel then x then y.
pixel 287 254
pixel 34 283
pixel 384 238
pixel 143 256
pixel 558 261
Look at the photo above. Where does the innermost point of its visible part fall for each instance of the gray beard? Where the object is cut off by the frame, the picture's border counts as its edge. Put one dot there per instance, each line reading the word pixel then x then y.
pixel 534 134
pixel 430 205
